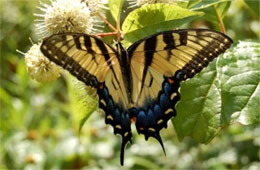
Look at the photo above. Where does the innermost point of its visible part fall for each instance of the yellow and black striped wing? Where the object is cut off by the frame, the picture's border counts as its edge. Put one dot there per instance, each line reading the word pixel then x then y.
pixel 165 53
pixel 89 59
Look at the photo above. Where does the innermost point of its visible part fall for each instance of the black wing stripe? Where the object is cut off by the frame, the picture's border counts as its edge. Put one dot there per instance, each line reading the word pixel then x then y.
pixel 88 45
pixel 168 39
pixel 87 42
pixel 104 50
pixel 77 42
pixel 183 37
pixel 149 46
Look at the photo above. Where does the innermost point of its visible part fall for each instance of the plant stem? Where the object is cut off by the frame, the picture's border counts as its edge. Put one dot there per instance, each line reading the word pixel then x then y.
pixel 106 34
pixel 106 22
pixel 222 27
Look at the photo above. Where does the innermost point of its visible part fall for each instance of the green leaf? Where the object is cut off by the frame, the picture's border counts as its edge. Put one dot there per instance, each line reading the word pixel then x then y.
pixel 239 75
pixel 198 112
pixel 254 5
pixel 115 7
pixel 201 4
pixel 183 4
pixel 192 3
pixel 5 98
pixel 214 10
pixel 226 91
pixel 82 101
pixel 153 18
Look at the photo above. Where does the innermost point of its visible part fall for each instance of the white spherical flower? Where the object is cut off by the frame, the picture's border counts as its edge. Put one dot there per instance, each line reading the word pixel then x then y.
pixel 39 67
pixel 96 6
pixel 64 16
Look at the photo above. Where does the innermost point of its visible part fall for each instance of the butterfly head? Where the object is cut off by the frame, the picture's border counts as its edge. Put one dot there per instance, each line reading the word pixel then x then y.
pixel 120 48
pixel 122 53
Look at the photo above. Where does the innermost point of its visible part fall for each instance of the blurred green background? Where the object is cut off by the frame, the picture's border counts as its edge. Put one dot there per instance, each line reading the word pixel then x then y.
pixel 38 130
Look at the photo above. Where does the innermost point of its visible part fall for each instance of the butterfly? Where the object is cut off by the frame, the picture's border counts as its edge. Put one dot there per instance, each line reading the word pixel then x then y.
pixel 139 84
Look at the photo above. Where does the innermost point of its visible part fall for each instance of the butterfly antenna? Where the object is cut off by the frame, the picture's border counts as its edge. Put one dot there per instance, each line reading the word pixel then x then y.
pixel 159 139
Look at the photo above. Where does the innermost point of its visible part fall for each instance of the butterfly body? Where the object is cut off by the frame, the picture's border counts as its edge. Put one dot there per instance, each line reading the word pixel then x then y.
pixel 139 84
pixel 123 59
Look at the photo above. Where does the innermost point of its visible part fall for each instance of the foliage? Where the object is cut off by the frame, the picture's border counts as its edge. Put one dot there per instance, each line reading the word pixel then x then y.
pixel 40 122
pixel 226 91
pixel 138 25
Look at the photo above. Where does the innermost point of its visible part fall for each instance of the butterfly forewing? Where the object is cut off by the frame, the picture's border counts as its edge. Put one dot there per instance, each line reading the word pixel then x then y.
pixel 89 59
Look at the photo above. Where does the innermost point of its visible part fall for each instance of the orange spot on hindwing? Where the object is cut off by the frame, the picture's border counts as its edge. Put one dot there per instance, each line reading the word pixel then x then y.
pixel 101 86
pixel 171 81
pixel 133 120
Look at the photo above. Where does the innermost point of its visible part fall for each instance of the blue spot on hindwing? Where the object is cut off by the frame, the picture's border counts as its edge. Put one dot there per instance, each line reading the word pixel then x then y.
pixel 117 116
pixel 150 117
pixel 167 88
pixel 157 112
pixel 179 75
pixel 141 119
pixel 105 94
pixel 126 121
pixel 164 101
pixel 110 106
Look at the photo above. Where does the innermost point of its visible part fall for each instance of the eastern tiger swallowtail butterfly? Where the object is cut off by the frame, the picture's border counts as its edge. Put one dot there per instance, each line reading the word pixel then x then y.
pixel 139 84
